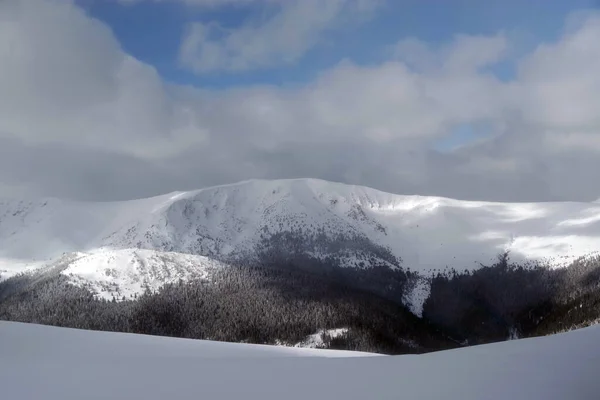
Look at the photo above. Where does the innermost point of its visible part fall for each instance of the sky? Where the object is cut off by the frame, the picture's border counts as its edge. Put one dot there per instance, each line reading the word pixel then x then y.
pixel 121 99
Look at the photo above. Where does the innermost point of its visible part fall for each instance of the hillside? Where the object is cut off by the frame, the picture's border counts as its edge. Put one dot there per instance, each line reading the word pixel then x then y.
pixel 279 261
pixel 54 363
pixel 342 225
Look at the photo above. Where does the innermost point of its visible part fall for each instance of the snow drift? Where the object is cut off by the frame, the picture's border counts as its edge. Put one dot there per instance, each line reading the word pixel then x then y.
pixel 39 362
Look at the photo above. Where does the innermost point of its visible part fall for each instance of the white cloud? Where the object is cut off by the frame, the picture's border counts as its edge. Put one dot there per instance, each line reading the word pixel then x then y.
pixel 81 118
pixel 206 3
pixel 282 38
pixel 64 77
pixel 464 54
pixel 560 84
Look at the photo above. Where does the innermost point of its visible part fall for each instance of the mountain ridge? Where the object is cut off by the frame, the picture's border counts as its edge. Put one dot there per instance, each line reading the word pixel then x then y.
pixel 311 222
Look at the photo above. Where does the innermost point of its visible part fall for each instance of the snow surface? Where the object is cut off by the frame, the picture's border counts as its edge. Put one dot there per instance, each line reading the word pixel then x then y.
pixel 129 272
pixel 418 296
pixel 225 222
pixel 39 362
pixel 316 340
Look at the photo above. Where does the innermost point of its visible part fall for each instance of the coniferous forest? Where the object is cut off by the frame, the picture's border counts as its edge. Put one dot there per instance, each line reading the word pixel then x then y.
pixel 282 304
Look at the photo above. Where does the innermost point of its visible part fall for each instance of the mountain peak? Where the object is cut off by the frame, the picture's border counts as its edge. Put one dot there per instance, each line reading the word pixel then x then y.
pixel 317 219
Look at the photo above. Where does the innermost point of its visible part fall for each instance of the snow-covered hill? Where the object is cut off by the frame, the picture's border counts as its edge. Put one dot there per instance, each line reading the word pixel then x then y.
pixel 40 362
pixel 125 273
pixel 347 225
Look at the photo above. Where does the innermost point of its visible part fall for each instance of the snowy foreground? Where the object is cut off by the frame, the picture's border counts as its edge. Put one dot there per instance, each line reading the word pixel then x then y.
pixel 39 362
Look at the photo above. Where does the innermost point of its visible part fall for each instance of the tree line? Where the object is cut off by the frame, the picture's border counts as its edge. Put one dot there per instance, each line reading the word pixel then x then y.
pixel 287 301
pixel 240 304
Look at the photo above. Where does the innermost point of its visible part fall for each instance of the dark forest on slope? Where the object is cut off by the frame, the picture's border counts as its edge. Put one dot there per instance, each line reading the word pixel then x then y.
pixel 506 300
pixel 285 303
pixel 257 305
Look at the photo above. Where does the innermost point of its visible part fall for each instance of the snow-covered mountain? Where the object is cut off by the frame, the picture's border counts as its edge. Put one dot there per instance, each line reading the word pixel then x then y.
pixel 146 242
pixel 37 360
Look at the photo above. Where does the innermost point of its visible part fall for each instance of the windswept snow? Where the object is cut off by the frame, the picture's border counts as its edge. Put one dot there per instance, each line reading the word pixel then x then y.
pixel 125 273
pixel 317 340
pixel 39 362
pixel 417 297
pixel 230 222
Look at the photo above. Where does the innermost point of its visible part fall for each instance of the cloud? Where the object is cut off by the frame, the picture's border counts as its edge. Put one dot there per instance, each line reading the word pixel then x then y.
pixel 80 118
pixel 206 3
pixel 560 83
pixel 64 78
pixel 465 53
pixel 282 38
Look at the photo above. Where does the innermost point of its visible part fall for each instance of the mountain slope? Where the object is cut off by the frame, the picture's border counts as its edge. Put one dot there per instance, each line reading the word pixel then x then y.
pixel 102 365
pixel 292 220
pixel 128 272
